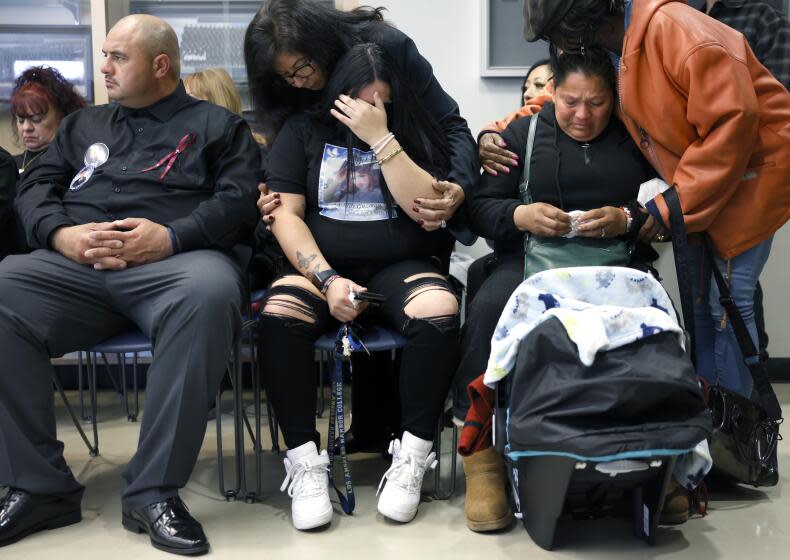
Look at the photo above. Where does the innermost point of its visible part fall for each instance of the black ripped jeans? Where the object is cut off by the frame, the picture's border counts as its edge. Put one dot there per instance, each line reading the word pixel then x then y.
pixel 427 363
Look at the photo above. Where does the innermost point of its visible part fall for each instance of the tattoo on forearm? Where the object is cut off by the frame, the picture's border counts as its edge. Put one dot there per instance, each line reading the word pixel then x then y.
pixel 304 262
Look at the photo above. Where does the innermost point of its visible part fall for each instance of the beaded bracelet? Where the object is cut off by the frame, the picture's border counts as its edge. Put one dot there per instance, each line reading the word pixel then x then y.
pixel 629 218
pixel 390 155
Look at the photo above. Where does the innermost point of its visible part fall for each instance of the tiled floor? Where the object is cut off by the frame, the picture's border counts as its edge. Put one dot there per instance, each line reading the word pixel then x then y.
pixel 744 524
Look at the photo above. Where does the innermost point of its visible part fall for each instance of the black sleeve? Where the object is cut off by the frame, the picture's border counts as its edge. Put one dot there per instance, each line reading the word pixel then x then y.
pixel 463 151
pixel 287 163
pixel 39 199
pixel 230 215
pixel 496 197
pixel 8 176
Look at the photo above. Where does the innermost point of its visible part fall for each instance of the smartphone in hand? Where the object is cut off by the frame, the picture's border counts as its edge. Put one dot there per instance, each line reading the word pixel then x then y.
pixel 371 297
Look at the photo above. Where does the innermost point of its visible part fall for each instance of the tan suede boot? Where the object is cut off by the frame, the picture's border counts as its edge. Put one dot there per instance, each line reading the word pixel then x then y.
pixel 676 504
pixel 487 507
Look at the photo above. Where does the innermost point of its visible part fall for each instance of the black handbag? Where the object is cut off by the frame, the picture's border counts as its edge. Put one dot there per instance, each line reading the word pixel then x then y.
pixel 746 432
pixel 546 253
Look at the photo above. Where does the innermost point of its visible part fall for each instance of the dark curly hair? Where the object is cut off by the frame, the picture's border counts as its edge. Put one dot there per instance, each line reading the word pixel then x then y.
pixel 581 23
pixel 320 32
pixel 40 89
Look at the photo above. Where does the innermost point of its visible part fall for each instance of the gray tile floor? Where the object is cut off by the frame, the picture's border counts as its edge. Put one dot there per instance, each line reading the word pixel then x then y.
pixel 744 523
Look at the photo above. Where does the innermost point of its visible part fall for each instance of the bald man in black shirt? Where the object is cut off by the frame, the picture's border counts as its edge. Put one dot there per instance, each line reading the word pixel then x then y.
pixel 137 212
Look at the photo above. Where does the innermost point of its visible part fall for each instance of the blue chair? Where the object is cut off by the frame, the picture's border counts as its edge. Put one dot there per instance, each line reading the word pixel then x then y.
pixel 135 342
pixel 380 339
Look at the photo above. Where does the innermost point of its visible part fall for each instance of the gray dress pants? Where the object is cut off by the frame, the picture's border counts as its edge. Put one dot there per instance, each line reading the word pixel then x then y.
pixel 188 304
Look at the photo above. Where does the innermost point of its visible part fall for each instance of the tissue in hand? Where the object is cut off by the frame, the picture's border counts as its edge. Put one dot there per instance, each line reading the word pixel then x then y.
pixel 575 223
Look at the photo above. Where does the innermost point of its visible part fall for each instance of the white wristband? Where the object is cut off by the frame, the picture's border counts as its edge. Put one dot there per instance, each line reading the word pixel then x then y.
pixel 378 145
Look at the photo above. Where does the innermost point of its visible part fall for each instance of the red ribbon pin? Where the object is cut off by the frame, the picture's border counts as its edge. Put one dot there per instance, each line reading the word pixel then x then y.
pixel 170 159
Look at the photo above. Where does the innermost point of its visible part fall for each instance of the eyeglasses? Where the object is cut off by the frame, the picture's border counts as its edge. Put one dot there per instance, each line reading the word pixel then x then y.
pixel 302 72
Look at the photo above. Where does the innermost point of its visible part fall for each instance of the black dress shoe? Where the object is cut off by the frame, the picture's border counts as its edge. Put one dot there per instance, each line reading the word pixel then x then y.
pixel 170 527
pixel 22 514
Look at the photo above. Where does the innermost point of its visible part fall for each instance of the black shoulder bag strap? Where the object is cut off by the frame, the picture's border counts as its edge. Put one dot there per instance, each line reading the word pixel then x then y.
pixel 680 248
pixel 757 368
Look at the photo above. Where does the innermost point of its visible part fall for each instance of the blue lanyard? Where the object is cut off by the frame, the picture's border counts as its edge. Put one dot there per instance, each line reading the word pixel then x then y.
pixel 346 342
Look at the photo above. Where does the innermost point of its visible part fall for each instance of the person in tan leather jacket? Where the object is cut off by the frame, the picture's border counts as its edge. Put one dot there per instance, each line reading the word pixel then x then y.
pixel 708 116
pixel 714 123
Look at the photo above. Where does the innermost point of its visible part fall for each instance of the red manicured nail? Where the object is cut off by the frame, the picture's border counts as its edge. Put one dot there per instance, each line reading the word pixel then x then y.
pixel 421 222
pixel 415 209
pixel 276 195
pixel 278 201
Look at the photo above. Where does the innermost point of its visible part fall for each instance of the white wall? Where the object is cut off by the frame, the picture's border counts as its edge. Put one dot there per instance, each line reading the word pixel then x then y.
pixel 447 32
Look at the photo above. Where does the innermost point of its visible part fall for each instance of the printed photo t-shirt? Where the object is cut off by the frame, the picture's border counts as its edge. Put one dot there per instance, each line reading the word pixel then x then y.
pixel 350 220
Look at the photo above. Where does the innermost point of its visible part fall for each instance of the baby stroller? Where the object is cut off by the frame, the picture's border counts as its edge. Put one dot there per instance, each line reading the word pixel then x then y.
pixel 596 400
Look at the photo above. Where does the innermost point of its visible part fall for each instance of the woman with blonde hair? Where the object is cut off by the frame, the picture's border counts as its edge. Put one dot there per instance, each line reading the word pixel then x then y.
pixel 214 85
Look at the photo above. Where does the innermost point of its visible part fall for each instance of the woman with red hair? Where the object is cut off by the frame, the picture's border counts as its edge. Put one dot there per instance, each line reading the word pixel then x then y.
pixel 39 101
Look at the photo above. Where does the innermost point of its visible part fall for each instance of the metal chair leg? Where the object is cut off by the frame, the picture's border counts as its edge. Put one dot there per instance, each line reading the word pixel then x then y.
pixel 238 414
pixel 91 362
pixel 80 387
pixel 220 466
pixel 136 412
pixel 438 492
pixel 121 357
pixel 91 449
pixel 109 373
pixel 238 428
pixel 256 395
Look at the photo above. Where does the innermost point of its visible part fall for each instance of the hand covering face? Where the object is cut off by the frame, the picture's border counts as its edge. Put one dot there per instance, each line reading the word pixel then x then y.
pixel 541 15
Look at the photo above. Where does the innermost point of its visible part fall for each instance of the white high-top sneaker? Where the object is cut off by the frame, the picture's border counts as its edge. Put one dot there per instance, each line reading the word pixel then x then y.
pixel 307 472
pixel 401 494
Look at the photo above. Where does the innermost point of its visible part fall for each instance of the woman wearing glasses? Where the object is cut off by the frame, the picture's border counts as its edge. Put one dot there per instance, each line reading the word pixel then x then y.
pixel 362 236
pixel 291 50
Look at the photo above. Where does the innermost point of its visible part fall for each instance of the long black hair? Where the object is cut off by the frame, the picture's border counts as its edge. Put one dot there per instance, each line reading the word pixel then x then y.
pixel 416 130
pixel 313 29
pixel 580 25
